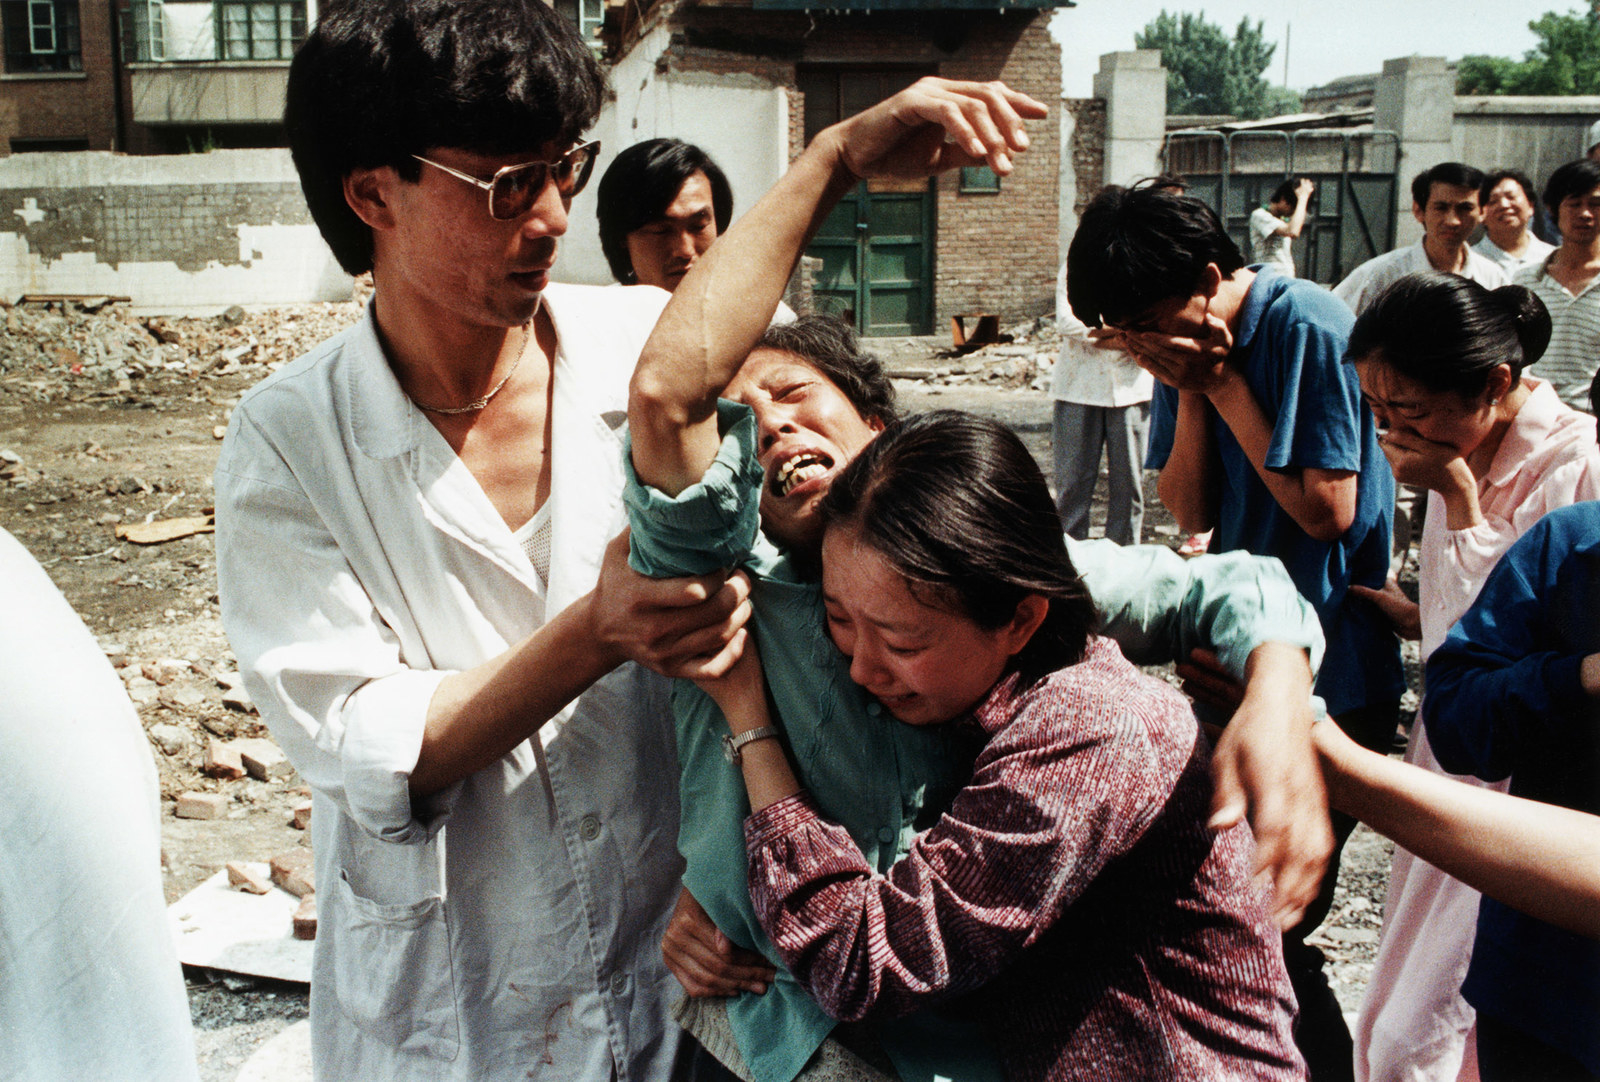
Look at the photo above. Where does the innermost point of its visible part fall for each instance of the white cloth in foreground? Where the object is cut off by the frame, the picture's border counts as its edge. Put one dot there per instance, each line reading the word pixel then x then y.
pixel 90 986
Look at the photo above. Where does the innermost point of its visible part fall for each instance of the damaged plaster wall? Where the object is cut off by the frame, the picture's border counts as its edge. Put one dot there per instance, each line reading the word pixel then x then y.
pixel 741 120
pixel 174 233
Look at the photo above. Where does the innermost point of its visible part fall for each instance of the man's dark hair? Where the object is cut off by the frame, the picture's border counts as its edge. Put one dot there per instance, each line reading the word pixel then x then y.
pixel 1136 248
pixel 380 80
pixel 830 345
pixel 1170 181
pixel 1284 193
pixel 1491 181
pixel 641 184
pixel 1448 332
pixel 956 504
pixel 1575 178
pixel 1454 174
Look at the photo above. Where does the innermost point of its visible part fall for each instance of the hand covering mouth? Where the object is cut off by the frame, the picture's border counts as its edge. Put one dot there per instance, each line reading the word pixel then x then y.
pixel 796 471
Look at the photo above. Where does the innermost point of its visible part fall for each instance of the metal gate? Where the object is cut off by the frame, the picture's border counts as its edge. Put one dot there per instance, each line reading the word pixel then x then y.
pixel 877 247
pixel 1352 213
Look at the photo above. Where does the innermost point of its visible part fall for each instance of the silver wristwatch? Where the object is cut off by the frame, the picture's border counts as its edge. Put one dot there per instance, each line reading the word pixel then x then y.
pixel 731 745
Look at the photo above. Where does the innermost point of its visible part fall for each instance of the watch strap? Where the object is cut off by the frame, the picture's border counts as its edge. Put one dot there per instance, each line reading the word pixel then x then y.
pixel 732 745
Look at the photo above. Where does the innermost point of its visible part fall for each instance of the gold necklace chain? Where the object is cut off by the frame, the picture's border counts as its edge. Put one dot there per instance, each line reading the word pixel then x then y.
pixel 478 404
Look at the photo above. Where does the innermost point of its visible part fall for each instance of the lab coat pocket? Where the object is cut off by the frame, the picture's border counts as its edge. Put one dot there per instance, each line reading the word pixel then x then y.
pixel 394 972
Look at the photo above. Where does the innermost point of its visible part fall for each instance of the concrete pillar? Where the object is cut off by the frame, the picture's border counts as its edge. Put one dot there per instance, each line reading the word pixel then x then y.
pixel 1416 99
pixel 1134 86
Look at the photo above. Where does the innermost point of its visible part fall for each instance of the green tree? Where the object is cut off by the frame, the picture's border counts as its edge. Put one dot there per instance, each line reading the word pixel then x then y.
pixel 1210 72
pixel 1565 61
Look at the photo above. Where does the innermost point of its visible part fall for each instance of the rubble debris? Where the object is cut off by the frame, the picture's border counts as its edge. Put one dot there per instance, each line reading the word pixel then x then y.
pixel 263 759
pixel 301 819
pixel 223 760
pixel 171 739
pixel 164 670
pixel 305 918
pixel 234 694
pixel 244 877
pixel 170 529
pixel 200 805
pixel 181 697
pixel 74 344
pixel 292 870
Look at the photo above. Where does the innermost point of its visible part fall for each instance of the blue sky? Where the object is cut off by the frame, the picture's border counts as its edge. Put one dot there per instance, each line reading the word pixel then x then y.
pixel 1329 38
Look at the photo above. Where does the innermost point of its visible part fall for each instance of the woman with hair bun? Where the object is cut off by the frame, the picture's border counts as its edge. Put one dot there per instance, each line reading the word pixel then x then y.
pixel 1441 361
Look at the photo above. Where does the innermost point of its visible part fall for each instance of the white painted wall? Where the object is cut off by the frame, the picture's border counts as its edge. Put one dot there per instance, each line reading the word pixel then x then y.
pixel 740 120
pixel 277 262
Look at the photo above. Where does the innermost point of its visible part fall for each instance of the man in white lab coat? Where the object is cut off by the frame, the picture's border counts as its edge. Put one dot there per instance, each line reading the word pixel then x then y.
pixel 413 527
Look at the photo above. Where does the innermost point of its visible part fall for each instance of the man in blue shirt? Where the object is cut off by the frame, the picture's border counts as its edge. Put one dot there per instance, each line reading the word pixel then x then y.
pixel 1260 433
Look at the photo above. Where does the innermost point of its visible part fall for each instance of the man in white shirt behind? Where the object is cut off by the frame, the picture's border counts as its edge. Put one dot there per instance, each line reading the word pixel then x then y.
pixel 1274 227
pixel 1102 399
pixel 1445 200
pixel 1508 209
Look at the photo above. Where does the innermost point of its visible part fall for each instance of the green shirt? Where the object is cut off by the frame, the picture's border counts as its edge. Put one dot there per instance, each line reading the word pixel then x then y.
pixel 881 780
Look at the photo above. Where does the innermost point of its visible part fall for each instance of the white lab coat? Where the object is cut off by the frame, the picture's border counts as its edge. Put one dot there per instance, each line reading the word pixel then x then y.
pixel 90 986
pixel 510 928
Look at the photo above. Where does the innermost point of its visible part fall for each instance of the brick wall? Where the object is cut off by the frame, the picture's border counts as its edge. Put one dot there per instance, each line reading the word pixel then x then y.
pixel 1088 150
pixel 998 253
pixel 994 252
pixel 171 232
pixel 79 105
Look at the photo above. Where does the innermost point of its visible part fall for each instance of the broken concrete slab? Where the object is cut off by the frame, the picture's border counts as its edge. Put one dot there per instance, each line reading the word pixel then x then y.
pixel 263 759
pixel 225 929
pixel 171 739
pixel 234 693
pixel 284 1058
pixel 247 877
pixel 181 697
pixel 200 805
pixel 223 760
pixel 292 870
pixel 304 925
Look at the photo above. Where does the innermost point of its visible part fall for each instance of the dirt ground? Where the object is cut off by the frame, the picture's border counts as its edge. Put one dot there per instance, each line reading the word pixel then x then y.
pixel 109 420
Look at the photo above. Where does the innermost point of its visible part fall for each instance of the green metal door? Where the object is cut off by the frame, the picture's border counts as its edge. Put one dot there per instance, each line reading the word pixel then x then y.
pixel 877 245
pixel 877 260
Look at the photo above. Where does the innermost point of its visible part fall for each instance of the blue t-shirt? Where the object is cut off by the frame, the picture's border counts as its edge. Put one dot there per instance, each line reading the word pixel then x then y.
pixel 1506 699
pixel 1289 342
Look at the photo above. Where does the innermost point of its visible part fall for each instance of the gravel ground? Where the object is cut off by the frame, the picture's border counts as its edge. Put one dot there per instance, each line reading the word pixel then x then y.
pixel 122 424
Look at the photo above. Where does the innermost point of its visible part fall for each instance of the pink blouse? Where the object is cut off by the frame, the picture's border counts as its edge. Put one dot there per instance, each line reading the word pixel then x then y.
pixel 1547 459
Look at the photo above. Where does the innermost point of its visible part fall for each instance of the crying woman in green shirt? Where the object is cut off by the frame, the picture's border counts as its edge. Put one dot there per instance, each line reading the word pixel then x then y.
pixel 736 483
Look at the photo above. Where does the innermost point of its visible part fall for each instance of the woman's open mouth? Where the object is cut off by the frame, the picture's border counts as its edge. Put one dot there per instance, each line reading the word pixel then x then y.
pixel 803 467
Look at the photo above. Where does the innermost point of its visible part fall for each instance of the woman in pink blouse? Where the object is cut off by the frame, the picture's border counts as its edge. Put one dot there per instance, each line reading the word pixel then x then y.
pixel 1440 360
pixel 1073 900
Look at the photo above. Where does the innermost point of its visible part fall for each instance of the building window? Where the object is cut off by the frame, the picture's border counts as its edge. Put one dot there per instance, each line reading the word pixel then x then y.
pixel 40 35
pixel 149 31
pixel 979 178
pixel 259 31
pixel 586 15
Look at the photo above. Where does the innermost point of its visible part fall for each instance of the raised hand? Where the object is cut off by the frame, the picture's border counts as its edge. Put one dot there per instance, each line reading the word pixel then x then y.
pixel 934 125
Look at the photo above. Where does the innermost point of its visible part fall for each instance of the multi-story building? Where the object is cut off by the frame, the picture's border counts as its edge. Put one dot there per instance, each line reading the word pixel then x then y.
pixel 146 76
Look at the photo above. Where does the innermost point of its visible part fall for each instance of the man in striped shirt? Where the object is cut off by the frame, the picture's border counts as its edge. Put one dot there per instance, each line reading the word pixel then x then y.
pixel 1566 282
